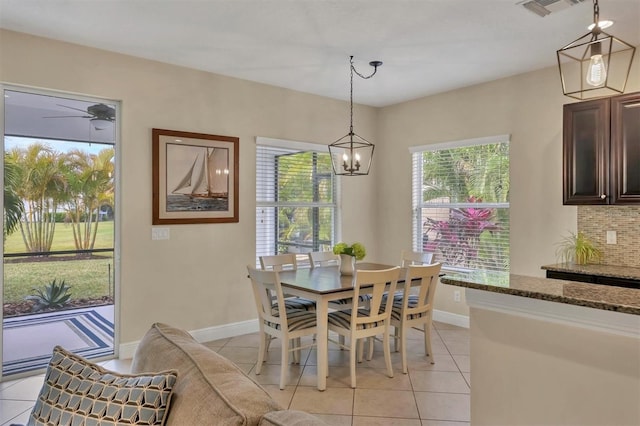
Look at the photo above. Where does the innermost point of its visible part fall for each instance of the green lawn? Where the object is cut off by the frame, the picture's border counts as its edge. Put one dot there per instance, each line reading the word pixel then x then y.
pixel 63 238
pixel 88 278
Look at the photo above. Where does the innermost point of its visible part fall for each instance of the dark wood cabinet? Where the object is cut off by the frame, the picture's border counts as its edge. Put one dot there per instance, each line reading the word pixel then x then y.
pixel 601 149
pixel 625 149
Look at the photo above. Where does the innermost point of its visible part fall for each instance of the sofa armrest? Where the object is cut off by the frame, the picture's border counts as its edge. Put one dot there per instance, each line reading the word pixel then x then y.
pixel 290 418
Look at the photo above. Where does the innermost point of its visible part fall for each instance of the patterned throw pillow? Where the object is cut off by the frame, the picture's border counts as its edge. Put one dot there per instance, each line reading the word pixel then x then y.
pixel 78 392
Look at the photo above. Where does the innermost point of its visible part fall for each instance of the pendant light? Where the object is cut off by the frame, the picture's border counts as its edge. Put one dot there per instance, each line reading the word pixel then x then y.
pixel 351 154
pixel 596 64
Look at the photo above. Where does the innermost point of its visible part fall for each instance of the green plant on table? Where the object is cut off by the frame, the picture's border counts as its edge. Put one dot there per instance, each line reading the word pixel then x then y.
pixel 50 296
pixel 578 248
pixel 356 250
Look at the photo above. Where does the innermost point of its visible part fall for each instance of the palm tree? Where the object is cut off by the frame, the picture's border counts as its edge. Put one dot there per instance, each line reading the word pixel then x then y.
pixel 13 205
pixel 41 184
pixel 90 179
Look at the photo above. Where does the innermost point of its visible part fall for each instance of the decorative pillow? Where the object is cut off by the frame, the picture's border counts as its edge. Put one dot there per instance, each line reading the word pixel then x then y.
pixel 78 392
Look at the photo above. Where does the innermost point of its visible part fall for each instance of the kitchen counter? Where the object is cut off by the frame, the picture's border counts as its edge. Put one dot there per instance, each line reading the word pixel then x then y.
pixel 603 297
pixel 551 351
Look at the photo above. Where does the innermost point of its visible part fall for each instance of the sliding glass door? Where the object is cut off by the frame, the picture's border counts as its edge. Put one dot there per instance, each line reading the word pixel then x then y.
pixel 59 273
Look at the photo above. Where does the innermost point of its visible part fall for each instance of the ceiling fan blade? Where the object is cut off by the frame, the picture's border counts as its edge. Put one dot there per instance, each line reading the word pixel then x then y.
pixel 70 116
pixel 77 109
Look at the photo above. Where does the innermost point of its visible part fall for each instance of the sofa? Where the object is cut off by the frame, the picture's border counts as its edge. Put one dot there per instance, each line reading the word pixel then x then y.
pixel 209 388
pixel 174 381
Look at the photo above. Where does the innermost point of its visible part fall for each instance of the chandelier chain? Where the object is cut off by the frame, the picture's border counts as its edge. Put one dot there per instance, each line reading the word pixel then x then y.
pixel 596 13
pixel 365 77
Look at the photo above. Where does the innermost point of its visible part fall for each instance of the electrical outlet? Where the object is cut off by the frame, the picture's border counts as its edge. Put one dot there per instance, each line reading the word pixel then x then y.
pixel 456 296
pixel 612 237
pixel 160 233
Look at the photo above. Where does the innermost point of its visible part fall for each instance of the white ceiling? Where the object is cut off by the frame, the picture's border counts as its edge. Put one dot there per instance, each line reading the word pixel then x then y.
pixel 427 46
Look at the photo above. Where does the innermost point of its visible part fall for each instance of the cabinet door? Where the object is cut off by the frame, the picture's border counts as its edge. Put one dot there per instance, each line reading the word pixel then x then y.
pixel 625 149
pixel 586 152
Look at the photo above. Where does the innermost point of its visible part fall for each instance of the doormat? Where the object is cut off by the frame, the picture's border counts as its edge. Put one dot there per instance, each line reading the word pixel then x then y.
pixel 29 340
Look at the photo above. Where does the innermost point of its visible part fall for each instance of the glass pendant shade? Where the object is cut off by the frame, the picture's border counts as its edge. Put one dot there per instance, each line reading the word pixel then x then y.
pixel 596 64
pixel 351 155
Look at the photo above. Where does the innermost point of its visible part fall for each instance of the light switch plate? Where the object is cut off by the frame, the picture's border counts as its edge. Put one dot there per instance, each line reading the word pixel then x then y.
pixel 160 233
pixel 612 237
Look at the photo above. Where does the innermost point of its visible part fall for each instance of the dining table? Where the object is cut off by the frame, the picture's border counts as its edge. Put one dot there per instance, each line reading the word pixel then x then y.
pixel 323 285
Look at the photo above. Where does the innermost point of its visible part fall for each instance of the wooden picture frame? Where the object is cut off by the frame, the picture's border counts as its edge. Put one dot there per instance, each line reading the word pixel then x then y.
pixel 195 178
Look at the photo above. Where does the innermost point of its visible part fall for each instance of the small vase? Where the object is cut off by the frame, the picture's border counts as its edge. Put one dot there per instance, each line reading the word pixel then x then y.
pixel 347 264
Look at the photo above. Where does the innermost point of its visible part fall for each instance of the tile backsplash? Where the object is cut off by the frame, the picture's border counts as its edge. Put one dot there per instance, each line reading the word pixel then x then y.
pixel 595 221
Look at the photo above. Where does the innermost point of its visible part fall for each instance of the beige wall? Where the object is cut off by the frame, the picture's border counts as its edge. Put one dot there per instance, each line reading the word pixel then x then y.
pixel 532 372
pixel 529 108
pixel 197 279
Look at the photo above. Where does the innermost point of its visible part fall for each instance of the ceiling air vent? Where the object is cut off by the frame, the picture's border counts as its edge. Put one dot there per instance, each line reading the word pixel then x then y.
pixel 545 7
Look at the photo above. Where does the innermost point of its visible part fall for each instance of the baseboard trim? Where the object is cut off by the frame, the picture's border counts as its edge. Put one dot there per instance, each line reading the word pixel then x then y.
pixel 451 318
pixel 127 350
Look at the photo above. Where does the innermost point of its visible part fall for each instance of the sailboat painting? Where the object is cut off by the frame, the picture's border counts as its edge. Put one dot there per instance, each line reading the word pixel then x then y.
pixel 196 178
pixel 204 185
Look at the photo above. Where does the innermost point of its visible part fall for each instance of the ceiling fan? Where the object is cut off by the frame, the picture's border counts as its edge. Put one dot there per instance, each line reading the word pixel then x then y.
pixel 100 115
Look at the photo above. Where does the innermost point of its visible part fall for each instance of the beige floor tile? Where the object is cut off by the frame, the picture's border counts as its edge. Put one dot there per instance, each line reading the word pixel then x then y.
pixel 384 421
pixel 219 342
pixel 270 374
pixel 10 410
pixel 438 381
pixel 282 397
pixel 444 326
pixel 337 358
pixel 442 362
pixel 443 423
pixel 338 377
pixel 330 401
pixel 376 378
pixel 458 347
pixel 335 420
pixel 25 389
pixel 240 355
pixel 246 367
pixel 385 403
pixel 247 341
pixel 454 335
pixel 467 377
pixel 463 362
pixel 443 406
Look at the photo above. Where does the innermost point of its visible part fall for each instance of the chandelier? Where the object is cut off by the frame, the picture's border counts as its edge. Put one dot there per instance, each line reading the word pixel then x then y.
pixel 351 154
pixel 596 64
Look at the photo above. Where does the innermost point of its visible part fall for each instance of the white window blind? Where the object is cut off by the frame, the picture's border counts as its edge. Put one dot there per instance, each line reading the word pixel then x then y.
pixel 461 203
pixel 296 207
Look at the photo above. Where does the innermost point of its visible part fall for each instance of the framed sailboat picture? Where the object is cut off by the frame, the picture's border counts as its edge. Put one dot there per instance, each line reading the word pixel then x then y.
pixel 195 178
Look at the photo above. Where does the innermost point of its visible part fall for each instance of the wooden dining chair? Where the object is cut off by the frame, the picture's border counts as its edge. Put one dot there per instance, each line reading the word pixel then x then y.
pixel 412 310
pixel 323 258
pixel 279 262
pixel 409 257
pixel 284 262
pixel 360 323
pixel 276 321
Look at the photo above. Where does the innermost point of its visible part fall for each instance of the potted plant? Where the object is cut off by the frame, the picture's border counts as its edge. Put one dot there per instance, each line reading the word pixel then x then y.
pixel 348 256
pixel 578 248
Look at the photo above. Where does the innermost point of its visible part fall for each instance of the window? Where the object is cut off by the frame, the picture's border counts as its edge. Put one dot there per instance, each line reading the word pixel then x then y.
pixel 296 208
pixel 461 203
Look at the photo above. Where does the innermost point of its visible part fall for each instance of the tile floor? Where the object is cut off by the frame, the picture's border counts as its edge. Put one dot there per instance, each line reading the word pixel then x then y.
pixel 430 395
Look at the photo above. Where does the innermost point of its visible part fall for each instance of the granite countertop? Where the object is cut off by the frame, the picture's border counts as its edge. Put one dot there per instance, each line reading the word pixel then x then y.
pixel 610 298
pixel 627 272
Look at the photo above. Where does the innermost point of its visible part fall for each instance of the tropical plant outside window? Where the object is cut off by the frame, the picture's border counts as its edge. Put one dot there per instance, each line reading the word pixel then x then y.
pixel 296 206
pixel 461 204
pixel 58 206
